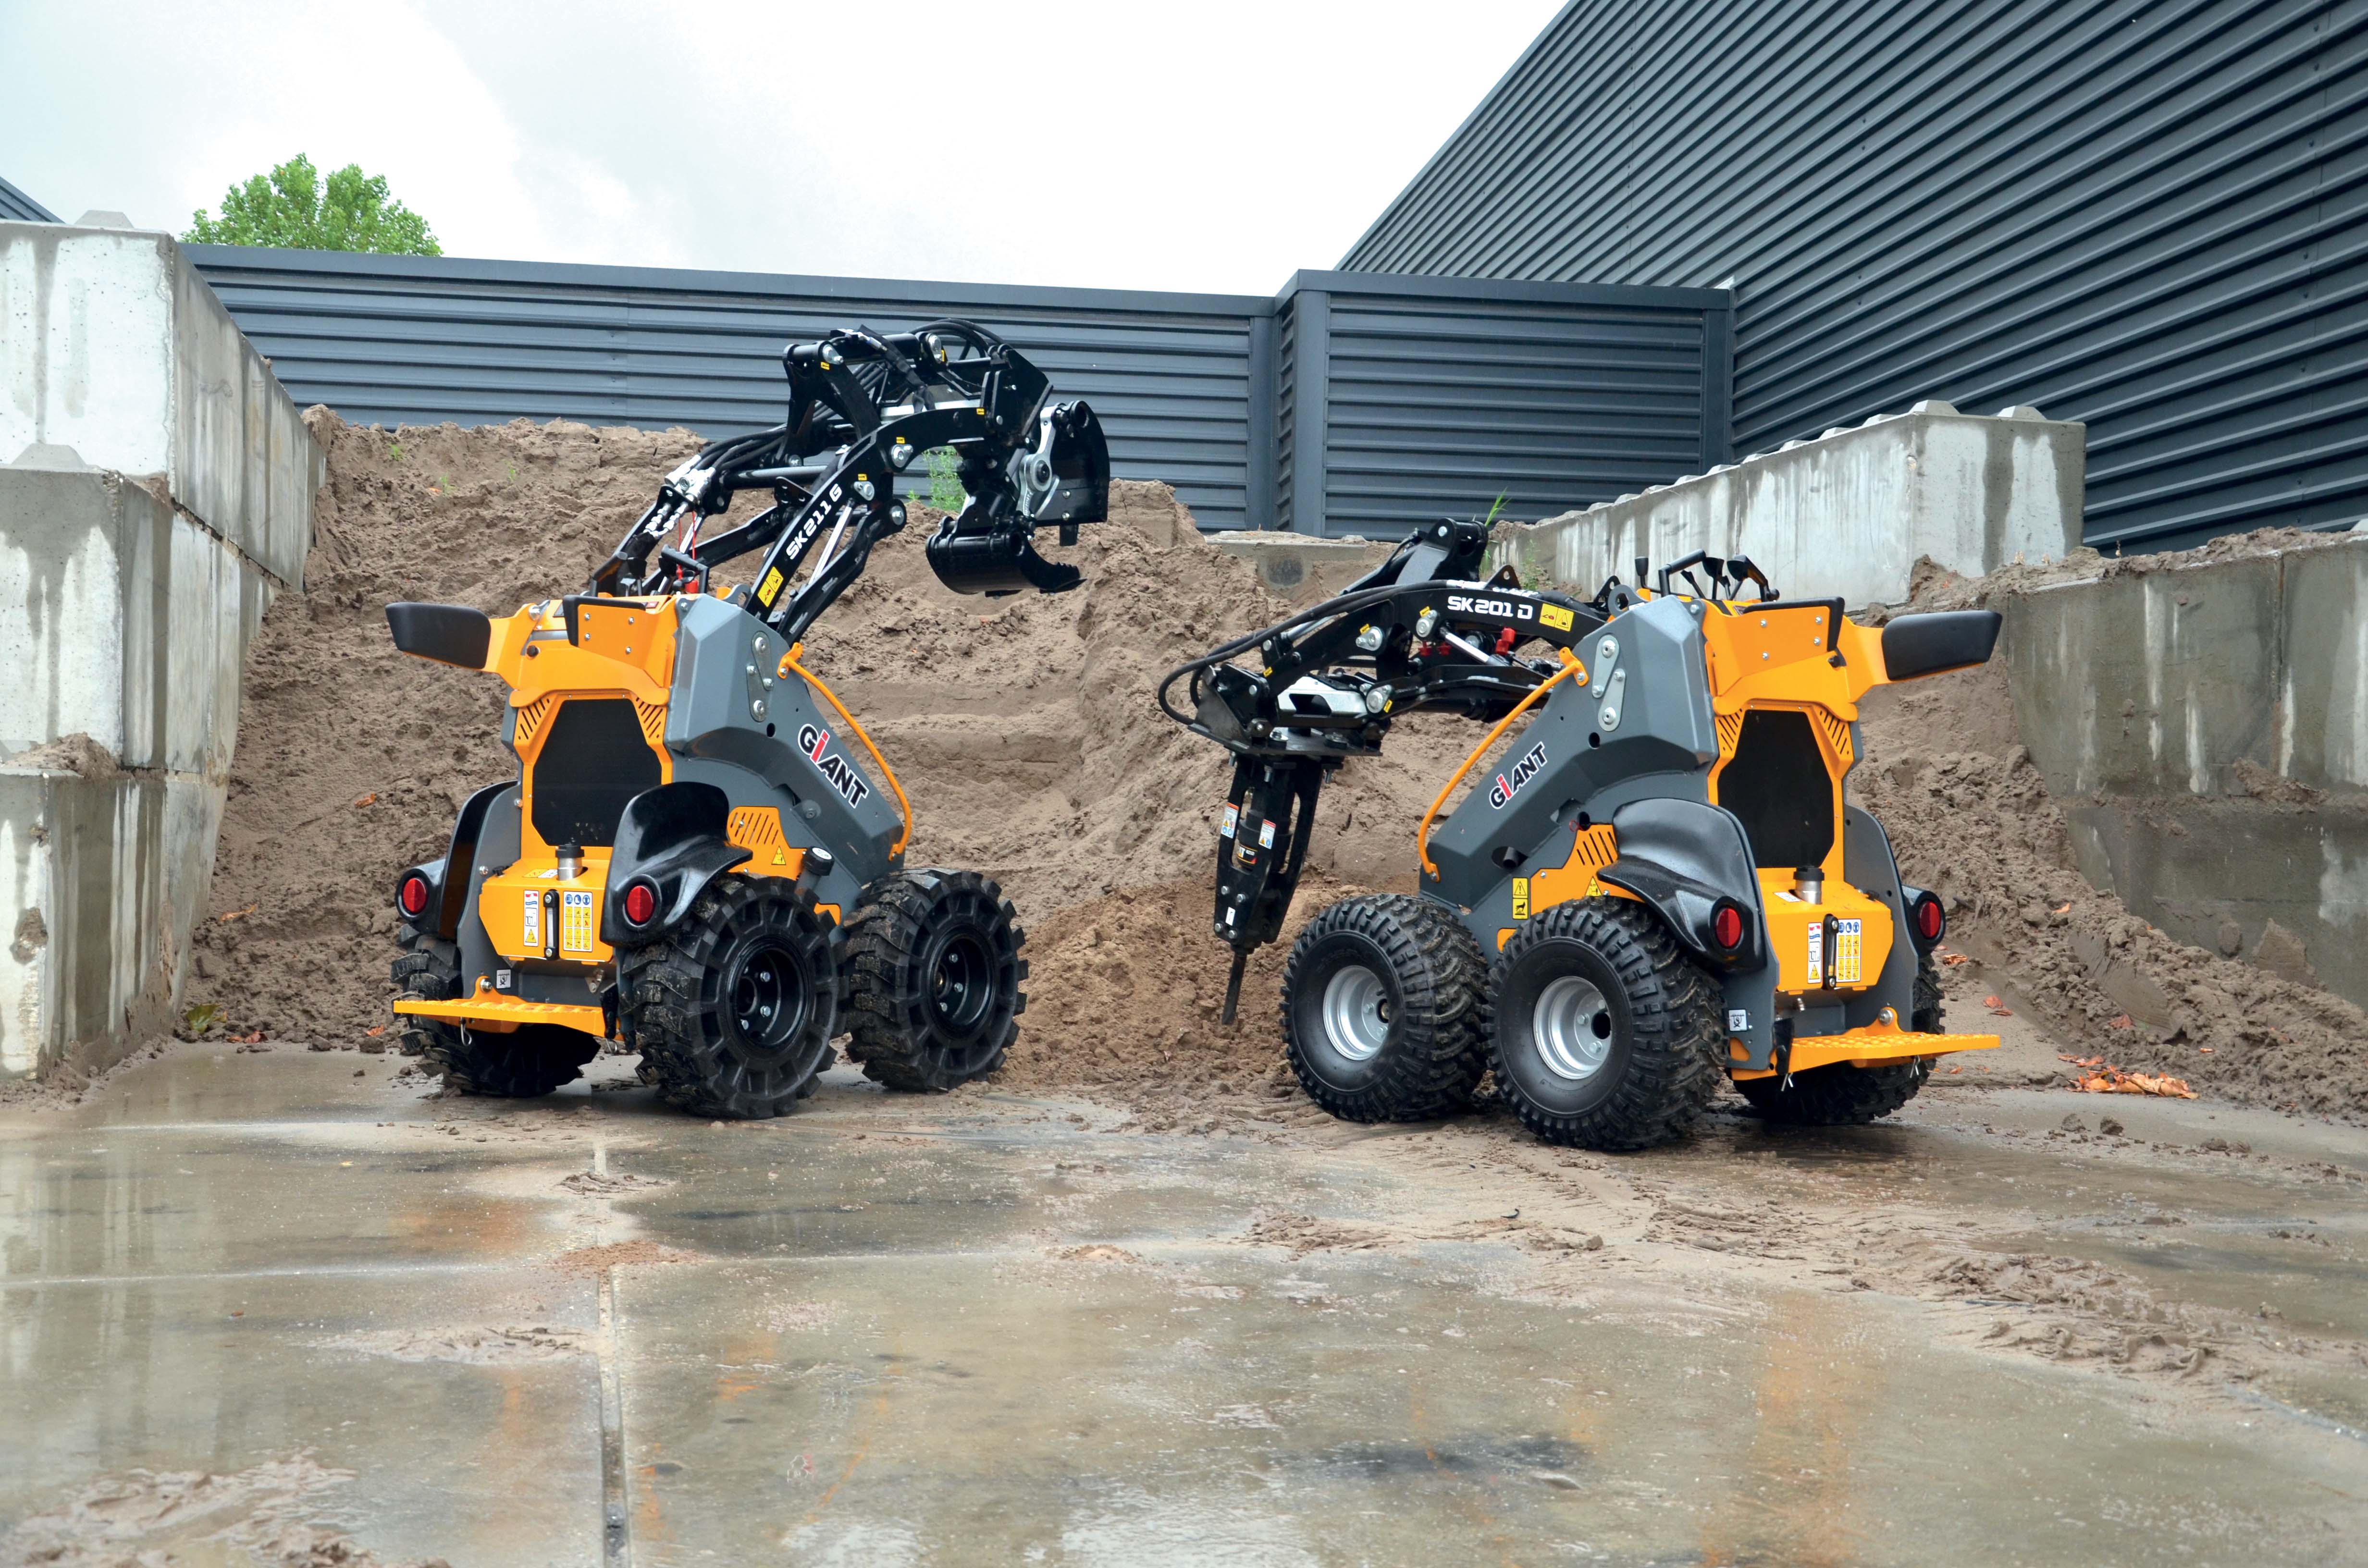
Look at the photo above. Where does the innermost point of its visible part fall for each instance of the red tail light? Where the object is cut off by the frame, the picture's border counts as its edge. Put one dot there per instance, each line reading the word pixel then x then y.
pixel 413 894
pixel 1930 920
pixel 1727 927
pixel 641 903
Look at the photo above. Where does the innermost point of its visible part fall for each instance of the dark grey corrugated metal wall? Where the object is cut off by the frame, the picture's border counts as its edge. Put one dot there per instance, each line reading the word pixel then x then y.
pixel 2151 215
pixel 1422 397
pixel 413 340
pixel 1436 399
pixel 16 207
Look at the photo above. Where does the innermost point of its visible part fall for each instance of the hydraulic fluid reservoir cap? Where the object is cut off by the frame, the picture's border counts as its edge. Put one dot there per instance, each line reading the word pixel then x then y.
pixel 1809 884
pixel 571 860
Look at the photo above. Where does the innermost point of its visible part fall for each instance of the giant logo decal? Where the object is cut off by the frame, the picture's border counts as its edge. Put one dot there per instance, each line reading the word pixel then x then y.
pixel 1508 783
pixel 834 765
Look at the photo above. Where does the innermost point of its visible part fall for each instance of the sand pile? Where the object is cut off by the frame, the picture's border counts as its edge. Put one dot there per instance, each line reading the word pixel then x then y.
pixel 1024 731
pixel 1022 728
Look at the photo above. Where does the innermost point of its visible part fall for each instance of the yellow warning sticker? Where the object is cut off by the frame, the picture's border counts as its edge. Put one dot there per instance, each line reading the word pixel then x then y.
pixel 576 922
pixel 1521 898
pixel 1554 616
pixel 769 587
pixel 1847 962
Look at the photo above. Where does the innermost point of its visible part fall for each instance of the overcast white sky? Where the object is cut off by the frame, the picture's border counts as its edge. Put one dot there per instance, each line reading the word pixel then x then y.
pixel 1212 145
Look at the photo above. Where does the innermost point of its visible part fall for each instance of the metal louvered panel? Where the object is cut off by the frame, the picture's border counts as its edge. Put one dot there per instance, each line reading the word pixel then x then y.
pixel 2149 215
pixel 16 207
pixel 1439 399
pixel 422 340
pixel 1429 397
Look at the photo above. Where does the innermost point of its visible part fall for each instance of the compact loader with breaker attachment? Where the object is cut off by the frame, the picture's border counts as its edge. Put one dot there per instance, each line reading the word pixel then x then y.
pixel 1662 884
pixel 702 855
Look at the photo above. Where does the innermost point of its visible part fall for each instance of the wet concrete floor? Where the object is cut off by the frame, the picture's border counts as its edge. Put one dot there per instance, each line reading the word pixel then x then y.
pixel 981 1329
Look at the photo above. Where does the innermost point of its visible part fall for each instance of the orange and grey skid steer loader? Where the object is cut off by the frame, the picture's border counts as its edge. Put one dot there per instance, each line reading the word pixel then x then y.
pixel 702 855
pixel 1660 886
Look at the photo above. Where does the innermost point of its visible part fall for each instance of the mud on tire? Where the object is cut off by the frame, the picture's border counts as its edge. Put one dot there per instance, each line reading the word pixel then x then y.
pixel 1603 1033
pixel 1382 1009
pixel 933 979
pixel 1843 1096
pixel 527 1062
pixel 734 1011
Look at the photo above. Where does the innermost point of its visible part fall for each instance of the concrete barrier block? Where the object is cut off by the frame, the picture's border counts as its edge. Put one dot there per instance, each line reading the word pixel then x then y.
pixel 124 620
pixel 2149 685
pixel 112 344
pixel 99 879
pixel 1301 567
pixel 1849 514
pixel 2324 742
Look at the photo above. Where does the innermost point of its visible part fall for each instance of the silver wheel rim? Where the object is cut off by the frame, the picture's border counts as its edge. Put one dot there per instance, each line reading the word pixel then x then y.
pixel 1355 1013
pixel 1572 1025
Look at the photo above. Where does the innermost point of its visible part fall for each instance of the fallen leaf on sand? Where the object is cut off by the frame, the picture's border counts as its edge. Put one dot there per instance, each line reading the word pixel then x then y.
pixel 1953 960
pixel 1991 1002
pixel 237 914
pixel 2113 1080
pixel 369 799
pixel 375 1032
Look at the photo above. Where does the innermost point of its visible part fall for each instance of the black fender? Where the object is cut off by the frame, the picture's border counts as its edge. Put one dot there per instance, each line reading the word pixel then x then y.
pixel 673 838
pixel 448 893
pixel 1684 858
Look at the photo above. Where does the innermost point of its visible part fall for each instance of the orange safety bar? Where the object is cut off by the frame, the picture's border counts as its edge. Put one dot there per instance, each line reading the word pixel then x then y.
pixel 1570 666
pixel 789 662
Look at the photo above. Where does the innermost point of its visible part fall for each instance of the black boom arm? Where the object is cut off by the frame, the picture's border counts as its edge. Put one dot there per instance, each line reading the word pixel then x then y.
pixel 862 406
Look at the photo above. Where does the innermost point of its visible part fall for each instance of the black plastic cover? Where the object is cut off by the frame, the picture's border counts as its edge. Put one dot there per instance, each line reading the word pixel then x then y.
pixel 451 634
pixel 1939 641
pixel 462 852
pixel 1681 857
pixel 674 836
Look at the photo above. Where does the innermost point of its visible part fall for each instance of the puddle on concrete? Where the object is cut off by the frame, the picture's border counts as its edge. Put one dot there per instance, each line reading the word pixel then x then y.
pixel 1047 1412
pixel 987 1333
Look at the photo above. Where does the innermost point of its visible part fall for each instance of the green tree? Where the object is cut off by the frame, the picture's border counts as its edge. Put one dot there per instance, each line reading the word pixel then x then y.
pixel 293 207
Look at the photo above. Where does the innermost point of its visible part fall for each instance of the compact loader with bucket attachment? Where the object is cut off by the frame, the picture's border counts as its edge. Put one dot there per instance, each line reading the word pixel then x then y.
pixel 702 855
pixel 1661 884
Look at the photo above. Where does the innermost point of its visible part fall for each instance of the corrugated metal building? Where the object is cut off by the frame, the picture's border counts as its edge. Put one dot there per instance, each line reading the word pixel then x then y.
pixel 1387 402
pixel 16 207
pixel 2150 215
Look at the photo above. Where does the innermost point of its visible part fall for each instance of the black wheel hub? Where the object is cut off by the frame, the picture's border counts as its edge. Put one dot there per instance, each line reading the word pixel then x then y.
pixel 768 994
pixel 962 982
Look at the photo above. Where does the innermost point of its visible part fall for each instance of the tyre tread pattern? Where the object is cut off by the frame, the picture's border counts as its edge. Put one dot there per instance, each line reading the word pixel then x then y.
pixel 1439 1050
pixel 890 1031
pixel 1677 1045
pixel 660 1012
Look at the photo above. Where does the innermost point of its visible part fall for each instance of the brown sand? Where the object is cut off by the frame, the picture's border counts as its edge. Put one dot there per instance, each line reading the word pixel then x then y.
pixel 1024 731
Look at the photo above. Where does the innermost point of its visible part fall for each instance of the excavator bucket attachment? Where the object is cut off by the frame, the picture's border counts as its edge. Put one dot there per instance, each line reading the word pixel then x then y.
pixel 1062 477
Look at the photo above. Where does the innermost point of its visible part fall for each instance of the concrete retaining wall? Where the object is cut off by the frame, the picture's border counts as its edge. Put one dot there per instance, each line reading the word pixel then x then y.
pixel 1847 514
pixel 2205 728
pixel 161 491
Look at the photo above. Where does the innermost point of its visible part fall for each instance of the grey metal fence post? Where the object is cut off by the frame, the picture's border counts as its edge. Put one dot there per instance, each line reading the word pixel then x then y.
pixel 1718 386
pixel 1263 462
pixel 1310 398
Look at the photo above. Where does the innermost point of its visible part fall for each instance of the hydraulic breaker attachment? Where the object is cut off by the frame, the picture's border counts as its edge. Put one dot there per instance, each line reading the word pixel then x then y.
pixel 1261 845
